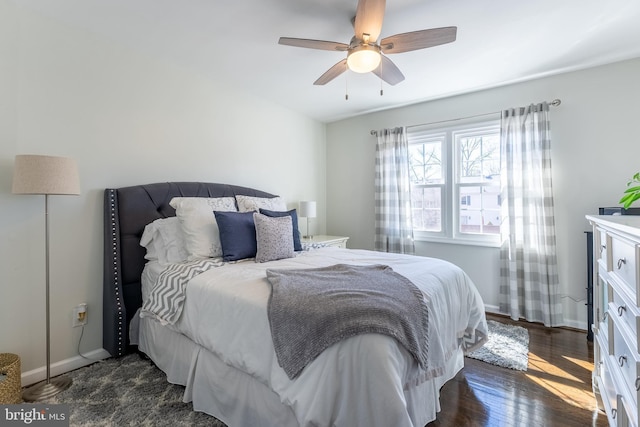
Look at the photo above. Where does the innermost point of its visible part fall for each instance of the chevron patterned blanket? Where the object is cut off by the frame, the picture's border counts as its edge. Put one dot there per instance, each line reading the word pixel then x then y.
pixel 166 299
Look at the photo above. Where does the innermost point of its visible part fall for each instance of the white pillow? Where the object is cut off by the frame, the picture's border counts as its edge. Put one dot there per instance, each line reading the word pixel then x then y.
pixel 248 203
pixel 199 227
pixel 150 243
pixel 164 241
pixel 273 237
pixel 172 237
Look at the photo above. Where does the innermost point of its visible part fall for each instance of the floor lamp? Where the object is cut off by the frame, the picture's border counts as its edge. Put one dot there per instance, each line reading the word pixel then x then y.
pixel 35 174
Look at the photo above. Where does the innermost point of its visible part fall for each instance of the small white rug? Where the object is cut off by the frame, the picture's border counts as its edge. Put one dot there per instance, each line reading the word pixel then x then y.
pixel 508 347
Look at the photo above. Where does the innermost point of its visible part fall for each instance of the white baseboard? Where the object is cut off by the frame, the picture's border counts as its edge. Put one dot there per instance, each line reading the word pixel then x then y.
pixel 491 309
pixel 575 324
pixel 67 365
pixel 570 323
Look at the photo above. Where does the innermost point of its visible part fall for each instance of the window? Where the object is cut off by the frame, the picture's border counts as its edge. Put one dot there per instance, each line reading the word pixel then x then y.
pixel 455 181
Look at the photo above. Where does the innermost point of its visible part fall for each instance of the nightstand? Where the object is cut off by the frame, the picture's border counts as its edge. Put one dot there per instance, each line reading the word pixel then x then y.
pixel 323 241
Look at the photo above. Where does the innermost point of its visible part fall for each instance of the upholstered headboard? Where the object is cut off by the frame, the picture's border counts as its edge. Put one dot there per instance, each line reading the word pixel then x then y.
pixel 126 212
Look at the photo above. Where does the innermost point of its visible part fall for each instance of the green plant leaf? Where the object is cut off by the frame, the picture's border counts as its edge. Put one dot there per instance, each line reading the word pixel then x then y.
pixel 633 189
pixel 624 198
pixel 631 194
pixel 628 199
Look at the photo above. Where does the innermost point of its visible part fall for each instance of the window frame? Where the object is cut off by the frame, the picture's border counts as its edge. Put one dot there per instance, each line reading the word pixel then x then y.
pixel 451 170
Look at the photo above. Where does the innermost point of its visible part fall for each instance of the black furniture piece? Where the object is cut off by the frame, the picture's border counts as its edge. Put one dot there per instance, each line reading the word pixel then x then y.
pixel 617 210
pixel 589 284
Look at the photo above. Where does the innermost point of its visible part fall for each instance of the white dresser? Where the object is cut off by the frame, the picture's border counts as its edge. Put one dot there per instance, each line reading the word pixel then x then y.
pixel 616 305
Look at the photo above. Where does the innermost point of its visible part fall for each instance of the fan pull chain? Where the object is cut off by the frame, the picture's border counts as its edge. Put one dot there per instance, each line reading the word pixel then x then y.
pixel 381 91
pixel 346 84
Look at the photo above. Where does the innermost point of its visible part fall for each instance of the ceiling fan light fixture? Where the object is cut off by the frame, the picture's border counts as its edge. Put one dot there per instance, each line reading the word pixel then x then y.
pixel 364 58
pixel 365 52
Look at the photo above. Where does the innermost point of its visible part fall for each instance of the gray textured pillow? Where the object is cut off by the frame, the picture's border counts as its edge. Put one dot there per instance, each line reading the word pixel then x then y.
pixel 273 237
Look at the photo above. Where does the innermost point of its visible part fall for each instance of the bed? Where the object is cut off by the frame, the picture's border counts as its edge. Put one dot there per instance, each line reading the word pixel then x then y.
pixel 220 347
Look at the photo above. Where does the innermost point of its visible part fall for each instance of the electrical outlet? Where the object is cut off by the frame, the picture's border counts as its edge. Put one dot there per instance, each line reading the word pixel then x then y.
pixel 80 316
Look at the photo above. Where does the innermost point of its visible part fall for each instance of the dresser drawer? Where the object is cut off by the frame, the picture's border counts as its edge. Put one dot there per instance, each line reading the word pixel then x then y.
pixel 627 364
pixel 627 314
pixel 620 412
pixel 624 264
pixel 627 413
pixel 608 395
pixel 340 244
pixel 601 244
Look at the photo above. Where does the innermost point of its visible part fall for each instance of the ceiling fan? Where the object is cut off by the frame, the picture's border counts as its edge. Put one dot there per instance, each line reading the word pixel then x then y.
pixel 364 52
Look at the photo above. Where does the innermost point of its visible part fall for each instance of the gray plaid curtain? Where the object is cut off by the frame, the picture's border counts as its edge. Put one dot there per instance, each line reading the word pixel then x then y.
pixel 529 285
pixel 394 227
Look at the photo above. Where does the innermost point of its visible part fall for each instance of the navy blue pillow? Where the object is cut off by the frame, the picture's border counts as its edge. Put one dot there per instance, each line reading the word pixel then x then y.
pixel 237 235
pixel 297 246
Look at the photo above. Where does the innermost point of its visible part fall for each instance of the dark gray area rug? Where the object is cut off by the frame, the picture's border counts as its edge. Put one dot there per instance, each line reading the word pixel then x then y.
pixel 128 391
pixel 508 346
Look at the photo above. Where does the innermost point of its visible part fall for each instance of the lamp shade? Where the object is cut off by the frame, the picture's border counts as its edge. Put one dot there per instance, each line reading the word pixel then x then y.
pixel 307 209
pixel 36 174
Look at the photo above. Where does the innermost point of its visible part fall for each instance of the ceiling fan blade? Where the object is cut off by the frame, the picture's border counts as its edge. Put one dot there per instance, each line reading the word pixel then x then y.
pixel 415 40
pixel 369 17
pixel 332 73
pixel 388 71
pixel 314 44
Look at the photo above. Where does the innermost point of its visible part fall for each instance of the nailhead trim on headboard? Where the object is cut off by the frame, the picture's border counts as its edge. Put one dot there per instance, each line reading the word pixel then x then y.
pixel 115 269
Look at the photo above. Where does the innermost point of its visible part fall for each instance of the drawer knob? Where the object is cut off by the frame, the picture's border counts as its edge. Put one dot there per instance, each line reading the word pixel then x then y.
pixel 638 384
pixel 621 360
pixel 614 412
pixel 621 310
pixel 602 248
pixel 605 315
pixel 621 262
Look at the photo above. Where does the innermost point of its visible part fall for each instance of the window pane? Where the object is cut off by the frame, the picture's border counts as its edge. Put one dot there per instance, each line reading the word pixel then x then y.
pixel 480 209
pixel 425 160
pixel 427 208
pixel 479 157
pixel 492 220
pixel 457 163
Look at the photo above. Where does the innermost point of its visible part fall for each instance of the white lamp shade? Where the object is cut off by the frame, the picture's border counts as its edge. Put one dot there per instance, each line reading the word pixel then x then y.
pixel 36 174
pixel 307 209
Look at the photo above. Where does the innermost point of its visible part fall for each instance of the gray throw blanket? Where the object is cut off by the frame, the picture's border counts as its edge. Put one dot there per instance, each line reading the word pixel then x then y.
pixel 312 309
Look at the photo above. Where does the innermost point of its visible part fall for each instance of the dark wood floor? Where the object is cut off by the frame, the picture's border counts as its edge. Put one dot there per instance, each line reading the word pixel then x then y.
pixel 554 391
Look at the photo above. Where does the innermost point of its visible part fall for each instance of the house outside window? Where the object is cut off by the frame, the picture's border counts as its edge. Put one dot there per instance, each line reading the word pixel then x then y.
pixel 455 181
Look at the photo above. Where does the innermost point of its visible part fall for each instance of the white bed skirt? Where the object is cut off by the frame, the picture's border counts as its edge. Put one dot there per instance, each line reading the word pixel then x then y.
pixel 238 399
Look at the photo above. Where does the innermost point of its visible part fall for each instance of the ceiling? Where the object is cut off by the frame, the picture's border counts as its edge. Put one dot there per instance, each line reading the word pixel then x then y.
pixel 498 42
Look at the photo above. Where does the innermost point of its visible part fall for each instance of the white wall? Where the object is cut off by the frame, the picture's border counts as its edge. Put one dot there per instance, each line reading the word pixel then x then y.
pixel 127 119
pixel 595 149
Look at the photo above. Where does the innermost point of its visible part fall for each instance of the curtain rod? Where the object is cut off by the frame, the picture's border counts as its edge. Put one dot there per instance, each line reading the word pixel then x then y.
pixel 553 103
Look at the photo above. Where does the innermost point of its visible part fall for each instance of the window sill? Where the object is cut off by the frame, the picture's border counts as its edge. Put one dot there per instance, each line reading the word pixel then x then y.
pixel 458 241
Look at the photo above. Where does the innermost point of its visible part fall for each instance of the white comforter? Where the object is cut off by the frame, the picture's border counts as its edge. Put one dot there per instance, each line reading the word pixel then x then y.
pixel 225 311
